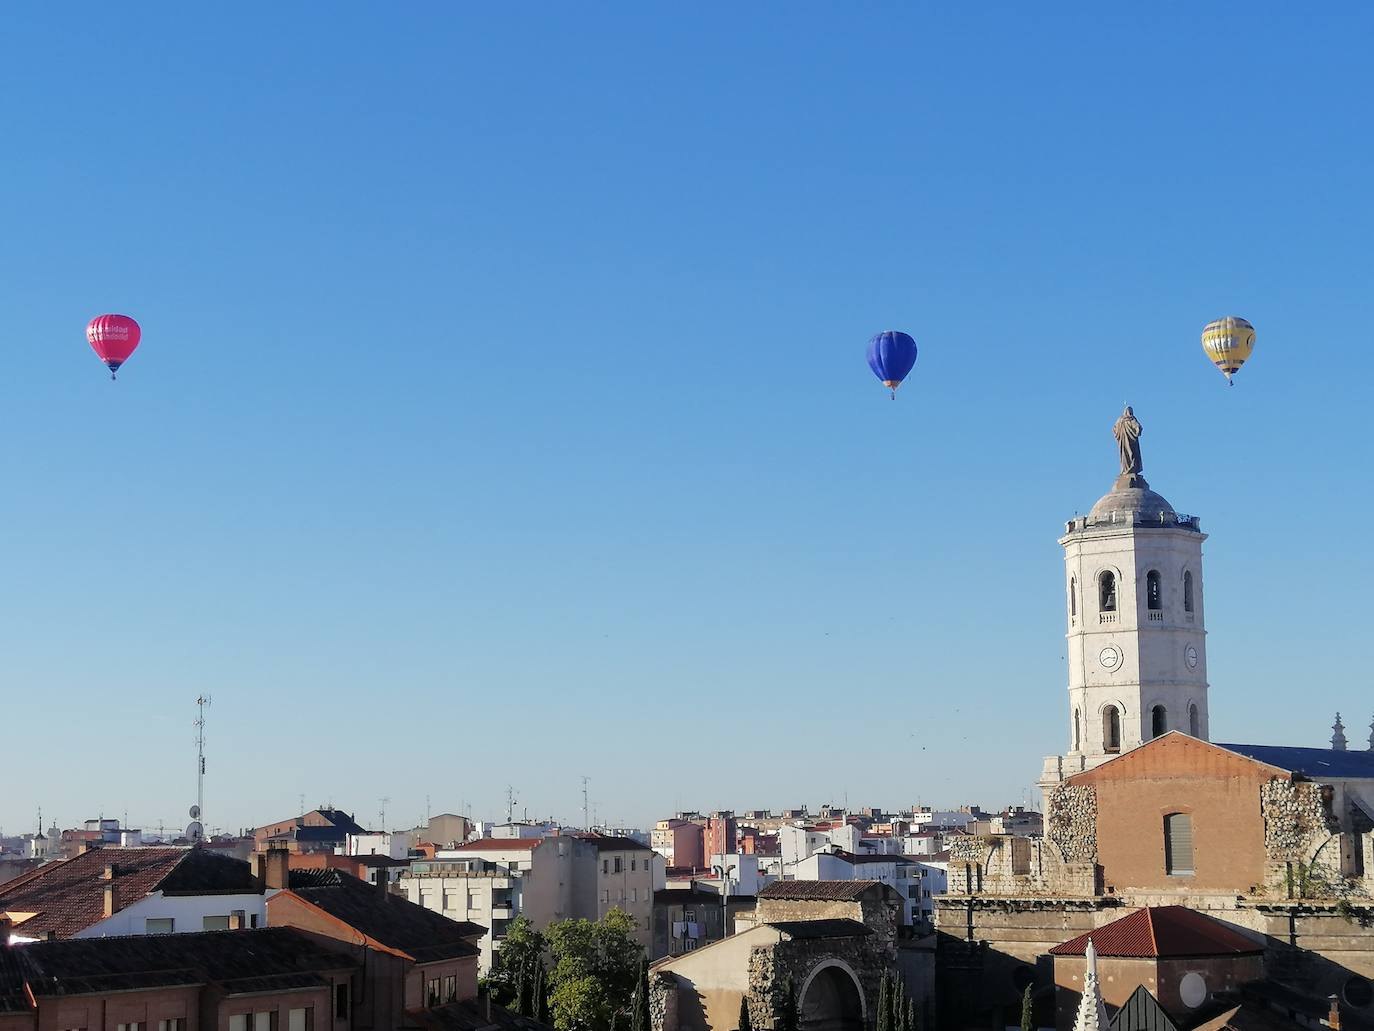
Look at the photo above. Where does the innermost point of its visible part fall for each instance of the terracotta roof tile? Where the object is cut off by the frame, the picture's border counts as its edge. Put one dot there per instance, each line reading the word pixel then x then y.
pixel 828 891
pixel 392 920
pixel 498 844
pixel 1162 932
pixel 67 897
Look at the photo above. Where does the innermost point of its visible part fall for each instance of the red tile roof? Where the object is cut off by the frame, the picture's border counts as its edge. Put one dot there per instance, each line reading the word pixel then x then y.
pixel 67 897
pixel 1162 932
pixel 496 844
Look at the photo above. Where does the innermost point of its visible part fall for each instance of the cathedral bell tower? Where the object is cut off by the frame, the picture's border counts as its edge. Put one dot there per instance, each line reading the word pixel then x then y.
pixel 1136 639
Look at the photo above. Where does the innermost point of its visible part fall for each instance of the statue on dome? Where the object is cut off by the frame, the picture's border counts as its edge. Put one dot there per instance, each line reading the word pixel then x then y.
pixel 1127 433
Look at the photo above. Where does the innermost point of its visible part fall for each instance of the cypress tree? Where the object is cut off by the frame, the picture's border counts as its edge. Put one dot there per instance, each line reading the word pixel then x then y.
pixel 639 1005
pixel 541 996
pixel 911 1014
pixel 885 1003
pixel 1027 1011
pixel 744 1023
pixel 787 1018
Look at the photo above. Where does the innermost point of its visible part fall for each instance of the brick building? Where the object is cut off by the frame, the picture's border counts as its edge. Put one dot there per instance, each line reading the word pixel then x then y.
pixel 262 980
pixel 413 959
pixel 320 830
pixel 1181 957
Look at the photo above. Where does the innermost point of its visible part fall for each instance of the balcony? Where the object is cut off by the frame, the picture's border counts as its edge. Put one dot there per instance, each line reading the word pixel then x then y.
pixel 1156 616
pixel 1108 617
pixel 502 911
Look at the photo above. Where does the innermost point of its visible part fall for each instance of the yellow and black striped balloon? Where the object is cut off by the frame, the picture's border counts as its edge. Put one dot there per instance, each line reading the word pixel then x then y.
pixel 1228 342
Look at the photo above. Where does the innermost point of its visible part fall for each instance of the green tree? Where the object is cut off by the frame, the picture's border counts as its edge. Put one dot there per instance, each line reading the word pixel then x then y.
pixel 910 1023
pixel 885 1003
pixel 1027 1011
pixel 786 1017
pixel 745 1024
pixel 513 967
pixel 596 967
pixel 639 1003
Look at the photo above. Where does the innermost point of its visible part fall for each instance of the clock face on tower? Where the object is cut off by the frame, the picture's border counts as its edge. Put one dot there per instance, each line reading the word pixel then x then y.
pixel 1190 656
pixel 1109 658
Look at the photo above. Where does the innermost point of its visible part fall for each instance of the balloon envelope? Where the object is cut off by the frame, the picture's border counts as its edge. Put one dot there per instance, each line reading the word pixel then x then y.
pixel 1228 342
pixel 113 338
pixel 891 355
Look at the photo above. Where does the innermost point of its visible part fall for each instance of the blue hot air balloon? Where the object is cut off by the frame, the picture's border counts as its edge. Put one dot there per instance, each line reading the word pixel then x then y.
pixel 891 355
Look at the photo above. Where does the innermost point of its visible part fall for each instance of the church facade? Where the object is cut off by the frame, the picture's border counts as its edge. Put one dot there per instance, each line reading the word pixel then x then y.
pixel 1144 809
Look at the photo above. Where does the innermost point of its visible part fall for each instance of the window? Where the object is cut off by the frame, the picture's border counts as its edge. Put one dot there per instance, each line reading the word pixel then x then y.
pixel 605 866
pixel 300 1019
pixel 341 1001
pixel 175 1024
pixel 632 866
pixel 1178 844
pixel 159 925
pixel 239 1022
pixel 214 923
pixel 689 916
pixel 634 894
pixel 1192 720
pixel 1073 596
pixel 1187 591
pixel 1077 731
pixel 133 1027
pixel 432 997
pixel 1153 602
pixel 472 900
pixel 1111 729
pixel 605 895
pixel 1106 592
pixel 252 920
pixel 265 1020
pixel 1158 721
pixel 451 988
pixel 617 864
pixel 688 944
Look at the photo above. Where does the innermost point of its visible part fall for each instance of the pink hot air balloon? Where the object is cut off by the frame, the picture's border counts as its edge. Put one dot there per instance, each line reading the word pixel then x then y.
pixel 113 338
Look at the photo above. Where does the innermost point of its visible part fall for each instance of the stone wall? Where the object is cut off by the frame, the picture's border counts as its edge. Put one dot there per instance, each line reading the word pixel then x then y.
pixel 1072 825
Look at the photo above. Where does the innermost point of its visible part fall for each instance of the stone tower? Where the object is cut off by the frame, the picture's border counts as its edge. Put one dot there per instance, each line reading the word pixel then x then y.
pixel 1136 639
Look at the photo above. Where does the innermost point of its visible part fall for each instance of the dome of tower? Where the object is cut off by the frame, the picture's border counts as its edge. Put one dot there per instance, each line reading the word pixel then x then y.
pixel 1132 504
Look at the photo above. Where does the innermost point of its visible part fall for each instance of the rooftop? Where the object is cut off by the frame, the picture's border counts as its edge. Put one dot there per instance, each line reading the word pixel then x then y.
pixel 1313 763
pixel 388 919
pixel 498 844
pixel 612 843
pixel 823 891
pixel 805 930
pixel 263 959
pixel 68 897
pixel 1162 932
pixel 1131 503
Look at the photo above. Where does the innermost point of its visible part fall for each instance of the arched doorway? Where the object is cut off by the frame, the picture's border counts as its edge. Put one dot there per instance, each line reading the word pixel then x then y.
pixel 830 1001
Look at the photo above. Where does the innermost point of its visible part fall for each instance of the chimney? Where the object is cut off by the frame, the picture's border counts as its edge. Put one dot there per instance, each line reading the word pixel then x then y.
pixel 111 898
pixel 383 879
pixel 276 868
pixel 6 925
pixel 1333 1018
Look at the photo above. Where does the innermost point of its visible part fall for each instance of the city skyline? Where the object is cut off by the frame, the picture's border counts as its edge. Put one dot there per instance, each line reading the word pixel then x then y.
pixel 487 423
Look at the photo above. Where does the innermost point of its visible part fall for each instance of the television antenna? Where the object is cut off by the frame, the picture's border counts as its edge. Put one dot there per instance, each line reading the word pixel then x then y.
pixel 201 702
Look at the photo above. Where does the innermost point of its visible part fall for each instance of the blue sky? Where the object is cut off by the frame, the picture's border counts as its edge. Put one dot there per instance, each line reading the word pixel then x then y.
pixel 502 415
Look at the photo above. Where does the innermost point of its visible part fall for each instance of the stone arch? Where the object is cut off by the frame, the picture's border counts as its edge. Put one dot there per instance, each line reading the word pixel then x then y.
pixel 1104 721
pixel 832 998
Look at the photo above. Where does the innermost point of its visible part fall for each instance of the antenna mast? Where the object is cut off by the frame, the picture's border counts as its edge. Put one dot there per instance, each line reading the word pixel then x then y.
pixel 201 702
pixel 586 818
pixel 510 804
